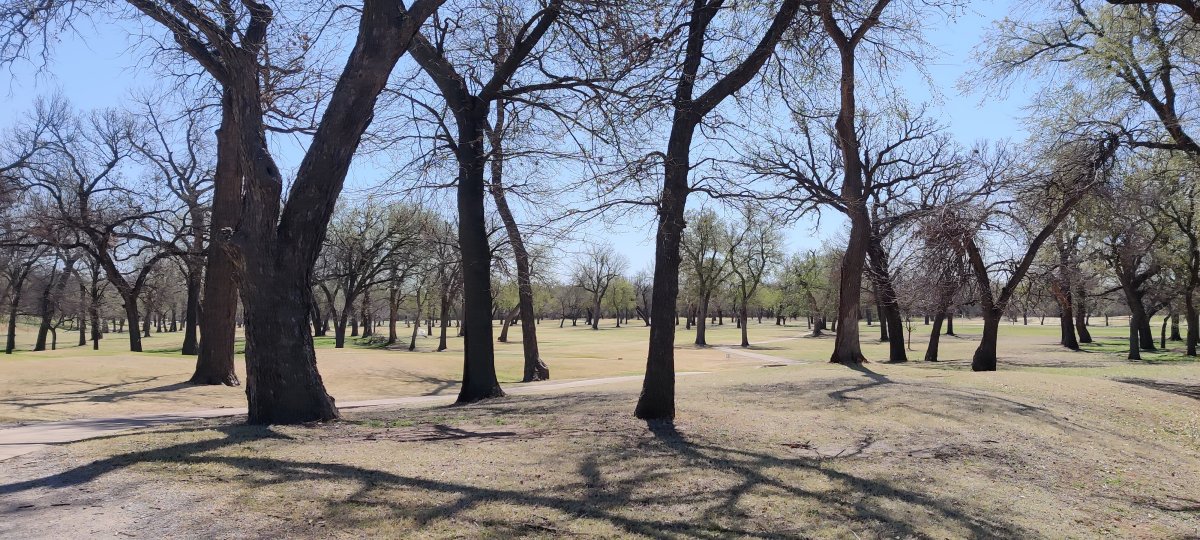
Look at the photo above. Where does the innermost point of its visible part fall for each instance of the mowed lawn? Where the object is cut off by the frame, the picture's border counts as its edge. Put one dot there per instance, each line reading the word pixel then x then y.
pixel 1103 449
pixel 77 382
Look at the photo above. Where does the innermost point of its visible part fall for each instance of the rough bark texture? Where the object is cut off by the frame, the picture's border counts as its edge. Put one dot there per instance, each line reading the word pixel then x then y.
pixel 215 359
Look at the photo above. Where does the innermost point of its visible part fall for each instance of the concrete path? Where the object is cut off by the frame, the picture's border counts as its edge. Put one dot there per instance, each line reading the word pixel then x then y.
pixel 25 439
pixel 772 360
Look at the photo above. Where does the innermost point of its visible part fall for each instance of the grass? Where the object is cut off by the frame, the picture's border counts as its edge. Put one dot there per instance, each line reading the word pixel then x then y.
pixel 76 382
pixel 1058 444
pixel 809 451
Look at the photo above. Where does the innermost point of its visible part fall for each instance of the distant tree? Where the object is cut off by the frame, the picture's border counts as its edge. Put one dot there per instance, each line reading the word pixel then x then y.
pixel 706 261
pixel 754 247
pixel 595 272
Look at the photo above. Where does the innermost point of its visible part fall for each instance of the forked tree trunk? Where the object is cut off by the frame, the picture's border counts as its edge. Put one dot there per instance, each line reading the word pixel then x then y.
pixel 657 400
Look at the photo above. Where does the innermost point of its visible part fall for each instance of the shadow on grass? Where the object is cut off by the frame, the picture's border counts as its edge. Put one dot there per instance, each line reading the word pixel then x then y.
pixel 1186 390
pixel 733 482
pixel 106 393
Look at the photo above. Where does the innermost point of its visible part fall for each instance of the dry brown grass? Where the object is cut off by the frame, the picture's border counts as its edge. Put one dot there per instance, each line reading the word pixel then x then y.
pixel 812 451
pixel 1056 445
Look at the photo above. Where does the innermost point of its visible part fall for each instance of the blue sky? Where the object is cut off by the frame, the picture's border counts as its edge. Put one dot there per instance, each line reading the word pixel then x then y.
pixel 100 67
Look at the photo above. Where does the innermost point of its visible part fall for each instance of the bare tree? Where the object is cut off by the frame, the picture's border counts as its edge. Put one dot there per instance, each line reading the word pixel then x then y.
pixel 1035 203
pixel 688 111
pixel 595 272
pixel 753 249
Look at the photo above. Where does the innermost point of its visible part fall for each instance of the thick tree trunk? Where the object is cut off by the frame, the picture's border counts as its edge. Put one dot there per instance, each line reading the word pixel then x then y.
pixel 1175 335
pixel 895 324
pixel 846 346
pixel 134 318
pixel 443 324
pixel 950 323
pixel 1163 333
pixel 214 361
pixel 935 336
pixel 744 318
pixel 657 400
pixel 1066 322
pixel 14 306
pixel 1193 322
pixel 985 355
pixel 479 360
pixel 283 385
pixel 883 328
pixel 702 322
pixel 1135 352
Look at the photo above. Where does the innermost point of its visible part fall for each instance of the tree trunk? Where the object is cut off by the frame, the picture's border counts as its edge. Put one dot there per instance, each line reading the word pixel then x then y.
pixel 508 317
pixel 132 315
pixel 14 305
pixel 1193 322
pixel 416 327
pixel 744 318
pixel 1162 344
pixel 191 313
pixel 1081 328
pixel 935 336
pixel 283 385
pixel 214 361
pixel 444 323
pixel 950 323
pixel 895 323
pixel 846 347
pixel 1175 335
pixel 479 360
pixel 985 355
pixel 702 322
pixel 1135 352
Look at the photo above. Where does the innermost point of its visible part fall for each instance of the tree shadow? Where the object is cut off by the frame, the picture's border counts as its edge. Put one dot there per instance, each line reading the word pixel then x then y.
pixel 106 393
pixel 1186 390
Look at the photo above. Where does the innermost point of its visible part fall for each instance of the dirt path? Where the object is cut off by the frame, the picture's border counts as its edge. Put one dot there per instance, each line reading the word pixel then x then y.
pixel 25 439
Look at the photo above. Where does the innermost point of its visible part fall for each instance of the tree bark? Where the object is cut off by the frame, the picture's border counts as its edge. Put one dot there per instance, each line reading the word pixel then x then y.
pixel 935 335
pixel 657 400
pixel 215 353
pixel 191 313
pixel 985 355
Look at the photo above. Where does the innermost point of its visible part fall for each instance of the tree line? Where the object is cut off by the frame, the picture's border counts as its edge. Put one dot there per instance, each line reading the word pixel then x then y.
pixel 501 109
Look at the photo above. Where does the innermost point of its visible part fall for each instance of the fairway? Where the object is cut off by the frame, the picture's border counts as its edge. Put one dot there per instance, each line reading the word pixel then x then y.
pixel 1052 445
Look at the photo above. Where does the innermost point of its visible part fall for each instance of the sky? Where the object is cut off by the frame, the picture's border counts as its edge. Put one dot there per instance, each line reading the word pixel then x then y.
pixel 99 68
